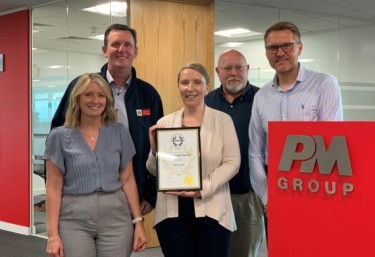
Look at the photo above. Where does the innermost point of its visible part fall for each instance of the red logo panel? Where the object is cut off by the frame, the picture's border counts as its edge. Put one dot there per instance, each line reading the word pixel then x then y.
pixel 321 189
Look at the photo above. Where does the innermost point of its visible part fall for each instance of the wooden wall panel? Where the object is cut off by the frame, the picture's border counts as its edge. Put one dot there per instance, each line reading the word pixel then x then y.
pixel 171 34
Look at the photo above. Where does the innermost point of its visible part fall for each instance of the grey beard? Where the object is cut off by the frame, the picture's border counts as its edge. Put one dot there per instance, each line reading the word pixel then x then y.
pixel 235 89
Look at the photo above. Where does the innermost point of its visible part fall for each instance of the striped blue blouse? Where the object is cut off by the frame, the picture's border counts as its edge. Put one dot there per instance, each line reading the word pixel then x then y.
pixel 86 171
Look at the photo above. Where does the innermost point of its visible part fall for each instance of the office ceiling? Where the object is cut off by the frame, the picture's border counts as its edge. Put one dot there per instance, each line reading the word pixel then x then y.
pixel 362 9
pixel 309 15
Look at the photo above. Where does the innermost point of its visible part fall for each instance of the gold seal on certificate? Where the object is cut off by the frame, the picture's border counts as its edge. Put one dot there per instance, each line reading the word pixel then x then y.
pixel 178 159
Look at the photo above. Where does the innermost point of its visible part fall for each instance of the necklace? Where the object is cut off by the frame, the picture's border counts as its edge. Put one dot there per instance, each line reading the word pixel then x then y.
pixel 90 136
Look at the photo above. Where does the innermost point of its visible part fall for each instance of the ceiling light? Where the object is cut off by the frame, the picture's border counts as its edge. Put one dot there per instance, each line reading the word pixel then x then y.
pixel 98 37
pixel 54 66
pixel 38 50
pixel 117 9
pixel 306 60
pixel 231 44
pixel 234 44
pixel 238 32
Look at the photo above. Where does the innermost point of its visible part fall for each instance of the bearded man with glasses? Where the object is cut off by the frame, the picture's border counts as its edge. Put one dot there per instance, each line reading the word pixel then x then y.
pixel 294 94
pixel 235 97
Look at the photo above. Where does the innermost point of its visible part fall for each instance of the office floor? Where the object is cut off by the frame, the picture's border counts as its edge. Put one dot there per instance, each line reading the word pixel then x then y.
pixel 40 228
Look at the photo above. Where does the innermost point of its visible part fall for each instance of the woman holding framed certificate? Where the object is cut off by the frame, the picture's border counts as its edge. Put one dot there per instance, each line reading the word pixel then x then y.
pixel 193 213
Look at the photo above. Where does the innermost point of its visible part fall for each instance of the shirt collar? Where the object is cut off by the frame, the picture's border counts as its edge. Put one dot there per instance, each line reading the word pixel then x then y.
pixel 110 80
pixel 300 77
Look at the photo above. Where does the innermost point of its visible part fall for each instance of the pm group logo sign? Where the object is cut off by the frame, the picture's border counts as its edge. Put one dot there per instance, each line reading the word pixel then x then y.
pixel 313 154
pixel 321 182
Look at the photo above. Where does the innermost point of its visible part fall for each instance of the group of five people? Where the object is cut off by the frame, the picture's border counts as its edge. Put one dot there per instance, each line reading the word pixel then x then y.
pixel 101 152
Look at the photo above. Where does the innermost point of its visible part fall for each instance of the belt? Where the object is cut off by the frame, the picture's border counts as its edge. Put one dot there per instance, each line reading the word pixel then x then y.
pixel 105 193
pixel 95 193
pixel 241 192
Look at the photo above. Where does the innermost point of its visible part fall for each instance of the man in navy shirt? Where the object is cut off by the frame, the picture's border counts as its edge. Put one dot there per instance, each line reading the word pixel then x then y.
pixel 235 97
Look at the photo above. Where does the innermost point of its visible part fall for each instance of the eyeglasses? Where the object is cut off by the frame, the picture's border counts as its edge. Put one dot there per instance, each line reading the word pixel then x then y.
pixel 238 68
pixel 287 47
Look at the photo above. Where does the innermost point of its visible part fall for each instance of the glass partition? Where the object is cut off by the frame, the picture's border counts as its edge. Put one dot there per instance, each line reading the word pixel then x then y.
pixel 342 47
pixel 67 39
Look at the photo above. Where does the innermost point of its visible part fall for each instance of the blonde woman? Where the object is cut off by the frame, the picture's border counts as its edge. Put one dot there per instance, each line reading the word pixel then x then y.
pixel 92 199
pixel 198 223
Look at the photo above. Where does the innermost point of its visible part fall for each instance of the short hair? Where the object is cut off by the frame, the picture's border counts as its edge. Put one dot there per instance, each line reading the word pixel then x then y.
pixel 118 26
pixel 73 114
pixel 284 25
pixel 197 67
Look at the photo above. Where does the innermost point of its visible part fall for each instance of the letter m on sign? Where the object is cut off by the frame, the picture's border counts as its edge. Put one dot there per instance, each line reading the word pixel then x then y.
pixel 314 151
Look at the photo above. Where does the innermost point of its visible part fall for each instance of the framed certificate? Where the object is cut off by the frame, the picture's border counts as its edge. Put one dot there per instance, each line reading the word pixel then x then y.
pixel 178 158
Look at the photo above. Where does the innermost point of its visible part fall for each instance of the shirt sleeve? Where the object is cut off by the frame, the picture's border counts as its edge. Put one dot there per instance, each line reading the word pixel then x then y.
pixel 330 102
pixel 151 161
pixel 257 148
pixel 53 150
pixel 151 164
pixel 230 159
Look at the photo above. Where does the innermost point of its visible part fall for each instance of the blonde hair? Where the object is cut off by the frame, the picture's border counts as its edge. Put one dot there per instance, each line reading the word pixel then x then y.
pixel 73 114
pixel 197 67
pixel 284 25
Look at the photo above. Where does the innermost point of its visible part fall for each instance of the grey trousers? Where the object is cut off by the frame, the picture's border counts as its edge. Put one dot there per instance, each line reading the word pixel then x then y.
pixel 96 225
pixel 248 211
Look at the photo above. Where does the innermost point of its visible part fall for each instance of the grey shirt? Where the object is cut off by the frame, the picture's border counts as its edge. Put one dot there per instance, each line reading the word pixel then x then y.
pixel 86 171
pixel 119 99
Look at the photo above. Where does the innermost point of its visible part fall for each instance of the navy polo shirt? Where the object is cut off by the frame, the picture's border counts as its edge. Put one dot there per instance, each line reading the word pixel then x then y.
pixel 240 111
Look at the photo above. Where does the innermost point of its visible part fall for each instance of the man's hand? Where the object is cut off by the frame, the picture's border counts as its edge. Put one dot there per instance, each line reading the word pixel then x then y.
pixel 146 207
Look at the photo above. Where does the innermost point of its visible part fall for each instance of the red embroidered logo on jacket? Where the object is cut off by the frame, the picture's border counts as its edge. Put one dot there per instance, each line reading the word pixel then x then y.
pixel 143 112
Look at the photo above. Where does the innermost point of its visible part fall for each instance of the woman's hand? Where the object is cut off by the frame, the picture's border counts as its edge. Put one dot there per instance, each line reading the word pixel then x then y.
pixel 139 240
pixel 191 194
pixel 55 247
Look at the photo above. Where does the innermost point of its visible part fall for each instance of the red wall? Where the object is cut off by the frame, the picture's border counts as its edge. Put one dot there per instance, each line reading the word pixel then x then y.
pixel 14 119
